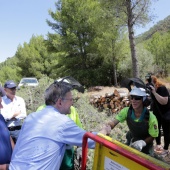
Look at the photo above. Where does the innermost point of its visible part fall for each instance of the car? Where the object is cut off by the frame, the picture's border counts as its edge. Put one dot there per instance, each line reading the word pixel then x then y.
pixel 28 81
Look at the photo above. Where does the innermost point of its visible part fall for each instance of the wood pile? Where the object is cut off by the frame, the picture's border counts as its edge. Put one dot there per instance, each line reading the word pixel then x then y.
pixel 112 102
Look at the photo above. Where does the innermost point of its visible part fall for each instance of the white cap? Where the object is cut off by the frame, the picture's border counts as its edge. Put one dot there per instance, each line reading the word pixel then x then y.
pixel 138 91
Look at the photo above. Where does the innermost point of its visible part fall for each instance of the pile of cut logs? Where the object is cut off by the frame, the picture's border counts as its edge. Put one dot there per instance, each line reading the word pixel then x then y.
pixel 112 102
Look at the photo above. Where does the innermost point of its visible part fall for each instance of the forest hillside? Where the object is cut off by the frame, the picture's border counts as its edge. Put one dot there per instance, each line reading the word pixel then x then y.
pixel 162 26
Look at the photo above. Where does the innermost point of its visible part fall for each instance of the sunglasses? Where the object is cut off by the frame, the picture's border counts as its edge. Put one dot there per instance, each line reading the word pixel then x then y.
pixel 136 97
pixel 14 88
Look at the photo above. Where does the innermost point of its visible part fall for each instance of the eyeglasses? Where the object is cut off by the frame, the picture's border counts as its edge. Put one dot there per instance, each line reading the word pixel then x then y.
pixel 136 97
pixel 72 100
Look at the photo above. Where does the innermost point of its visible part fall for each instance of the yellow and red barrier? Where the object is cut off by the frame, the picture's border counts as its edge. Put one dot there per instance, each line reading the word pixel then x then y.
pixel 113 155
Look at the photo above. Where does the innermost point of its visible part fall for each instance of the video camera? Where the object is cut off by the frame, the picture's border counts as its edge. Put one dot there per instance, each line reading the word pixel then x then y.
pixel 148 78
pixel 149 83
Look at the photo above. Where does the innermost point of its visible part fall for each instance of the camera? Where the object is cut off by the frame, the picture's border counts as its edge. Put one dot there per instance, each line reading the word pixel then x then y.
pixel 148 84
pixel 148 88
pixel 148 78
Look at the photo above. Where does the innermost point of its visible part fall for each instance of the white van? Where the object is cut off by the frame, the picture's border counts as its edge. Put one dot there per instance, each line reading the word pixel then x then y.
pixel 28 81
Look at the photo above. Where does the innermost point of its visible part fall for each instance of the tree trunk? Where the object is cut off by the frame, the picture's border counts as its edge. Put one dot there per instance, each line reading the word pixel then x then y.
pixel 133 52
pixel 131 39
pixel 114 65
pixel 114 74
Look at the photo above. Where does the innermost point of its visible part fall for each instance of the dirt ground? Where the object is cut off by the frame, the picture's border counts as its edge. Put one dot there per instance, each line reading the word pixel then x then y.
pixel 103 90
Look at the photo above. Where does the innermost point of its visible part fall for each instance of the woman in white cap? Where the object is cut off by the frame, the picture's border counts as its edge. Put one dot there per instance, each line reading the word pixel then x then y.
pixel 142 124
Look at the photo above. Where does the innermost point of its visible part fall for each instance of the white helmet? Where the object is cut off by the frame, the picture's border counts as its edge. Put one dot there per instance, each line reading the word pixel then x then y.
pixel 138 92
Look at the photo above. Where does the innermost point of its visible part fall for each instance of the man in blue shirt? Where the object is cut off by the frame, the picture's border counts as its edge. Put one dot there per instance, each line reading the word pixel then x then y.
pixel 46 134
pixel 5 142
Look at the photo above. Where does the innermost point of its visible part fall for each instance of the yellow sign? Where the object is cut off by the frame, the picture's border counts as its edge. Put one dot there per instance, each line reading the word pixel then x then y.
pixel 111 159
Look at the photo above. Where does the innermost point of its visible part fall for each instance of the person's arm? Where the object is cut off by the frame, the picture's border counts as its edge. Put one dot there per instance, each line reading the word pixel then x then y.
pixel 71 134
pixel 18 111
pixel 153 128
pixel 12 143
pixel 113 123
pixel 21 112
pixel 139 144
pixel 4 167
pixel 16 114
pixel 149 139
pixel 162 100
pixel 120 117
pixel 105 130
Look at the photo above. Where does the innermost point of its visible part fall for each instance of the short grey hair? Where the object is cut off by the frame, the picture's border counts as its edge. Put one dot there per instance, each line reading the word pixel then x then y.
pixel 55 91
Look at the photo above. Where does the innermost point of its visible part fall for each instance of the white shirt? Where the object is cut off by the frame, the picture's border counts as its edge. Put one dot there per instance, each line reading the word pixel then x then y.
pixel 43 138
pixel 10 107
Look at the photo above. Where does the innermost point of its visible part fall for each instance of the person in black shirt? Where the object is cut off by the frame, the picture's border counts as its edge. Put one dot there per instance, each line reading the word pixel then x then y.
pixel 161 107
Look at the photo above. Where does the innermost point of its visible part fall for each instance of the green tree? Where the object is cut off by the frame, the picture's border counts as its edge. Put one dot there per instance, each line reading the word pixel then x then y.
pixel 9 70
pixel 153 45
pixel 146 60
pixel 165 53
pixel 159 46
pixel 133 13
pixel 33 58
pixel 76 22
pixel 109 38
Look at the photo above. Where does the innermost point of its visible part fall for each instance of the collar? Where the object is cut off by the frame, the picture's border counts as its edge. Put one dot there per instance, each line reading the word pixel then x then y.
pixel 141 117
pixel 6 98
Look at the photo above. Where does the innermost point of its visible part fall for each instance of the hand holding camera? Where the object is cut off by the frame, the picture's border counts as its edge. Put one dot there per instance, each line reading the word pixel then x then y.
pixel 152 89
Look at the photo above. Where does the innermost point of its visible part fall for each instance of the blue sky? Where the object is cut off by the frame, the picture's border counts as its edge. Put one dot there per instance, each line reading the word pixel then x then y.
pixel 160 9
pixel 20 19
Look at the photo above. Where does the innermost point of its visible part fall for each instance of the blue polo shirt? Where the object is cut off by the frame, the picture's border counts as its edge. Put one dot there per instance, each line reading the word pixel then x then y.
pixel 5 143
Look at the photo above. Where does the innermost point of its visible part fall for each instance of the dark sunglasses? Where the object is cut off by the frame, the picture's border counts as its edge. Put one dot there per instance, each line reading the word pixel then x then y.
pixel 14 88
pixel 136 97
